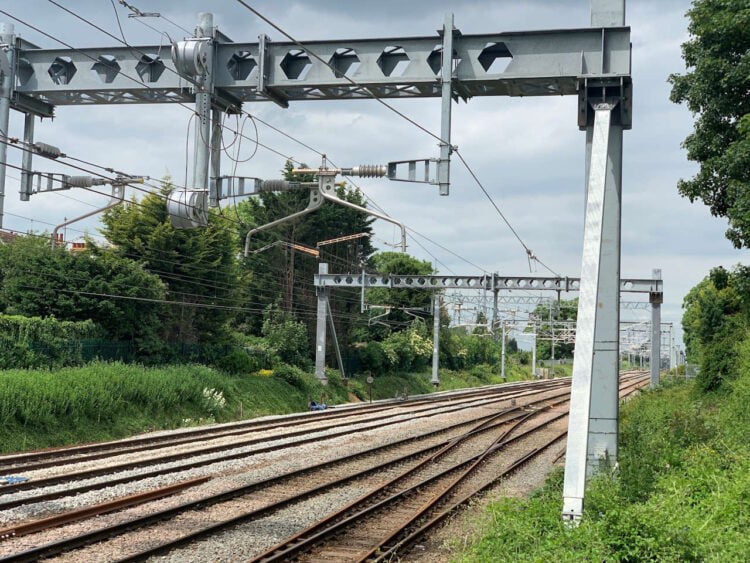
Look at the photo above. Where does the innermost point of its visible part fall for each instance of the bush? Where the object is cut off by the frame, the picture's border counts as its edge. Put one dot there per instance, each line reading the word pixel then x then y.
pixel 237 362
pixel 287 337
pixel 34 342
pixel 292 375
pixel 371 357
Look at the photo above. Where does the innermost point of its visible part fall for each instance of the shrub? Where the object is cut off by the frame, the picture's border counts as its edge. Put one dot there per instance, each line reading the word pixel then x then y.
pixel 371 357
pixel 287 337
pixel 35 342
pixel 237 362
pixel 293 375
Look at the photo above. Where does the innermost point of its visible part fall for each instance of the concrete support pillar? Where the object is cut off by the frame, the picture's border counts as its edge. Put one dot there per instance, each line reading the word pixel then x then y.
pixel 435 339
pixel 320 328
pixel 533 355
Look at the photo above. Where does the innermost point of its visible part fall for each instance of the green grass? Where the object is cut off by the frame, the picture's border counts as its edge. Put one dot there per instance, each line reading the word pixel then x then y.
pixel 103 401
pixel 106 401
pixel 682 493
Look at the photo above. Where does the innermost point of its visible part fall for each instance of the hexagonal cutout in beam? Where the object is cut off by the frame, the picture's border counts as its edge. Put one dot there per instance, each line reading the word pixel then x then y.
pixel 344 62
pixel 62 70
pixel 150 67
pixel 495 58
pixel 296 64
pixel 25 71
pixel 106 68
pixel 241 64
pixel 435 59
pixel 393 61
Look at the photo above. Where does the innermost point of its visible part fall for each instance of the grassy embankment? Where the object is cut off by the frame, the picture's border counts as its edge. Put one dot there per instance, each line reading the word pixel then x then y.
pixel 105 401
pixel 682 494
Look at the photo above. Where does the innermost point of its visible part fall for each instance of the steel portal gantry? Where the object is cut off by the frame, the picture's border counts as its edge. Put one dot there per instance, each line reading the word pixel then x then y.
pixel 324 282
pixel 218 75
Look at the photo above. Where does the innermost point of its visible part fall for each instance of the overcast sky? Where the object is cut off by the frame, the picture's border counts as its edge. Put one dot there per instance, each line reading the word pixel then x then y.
pixel 528 152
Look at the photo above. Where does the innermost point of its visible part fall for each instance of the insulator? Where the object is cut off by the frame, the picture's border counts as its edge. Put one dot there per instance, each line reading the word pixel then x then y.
pixel 369 170
pixel 49 151
pixel 274 186
pixel 80 181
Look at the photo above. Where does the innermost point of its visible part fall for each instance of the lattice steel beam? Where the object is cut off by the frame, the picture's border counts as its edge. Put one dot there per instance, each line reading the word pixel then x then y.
pixel 536 63
pixel 527 283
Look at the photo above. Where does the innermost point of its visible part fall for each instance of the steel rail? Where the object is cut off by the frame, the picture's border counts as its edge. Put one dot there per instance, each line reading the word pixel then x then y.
pixel 58 547
pixel 126 466
pixel 335 523
pixel 10 503
pixel 378 554
pixel 112 531
pixel 163 548
pixel 260 512
pixel 70 516
pixel 33 461
pixel 13 461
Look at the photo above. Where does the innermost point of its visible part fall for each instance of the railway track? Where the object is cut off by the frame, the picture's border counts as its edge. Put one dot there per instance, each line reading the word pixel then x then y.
pixel 453 447
pixel 53 456
pixel 122 472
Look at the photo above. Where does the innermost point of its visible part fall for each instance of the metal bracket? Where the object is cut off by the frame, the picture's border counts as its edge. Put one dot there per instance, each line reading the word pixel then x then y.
pixel 118 196
pixel 615 91
pixel 237 186
pixel 264 63
pixel 316 200
pixel 428 173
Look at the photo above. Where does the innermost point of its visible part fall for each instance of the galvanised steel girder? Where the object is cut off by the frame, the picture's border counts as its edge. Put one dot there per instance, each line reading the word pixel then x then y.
pixel 539 299
pixel 539 63
pixel 476 282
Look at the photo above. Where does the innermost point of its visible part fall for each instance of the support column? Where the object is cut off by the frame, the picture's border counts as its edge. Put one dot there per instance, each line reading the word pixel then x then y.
pixel 551 342
pixel 672 359
pixel 494 307
pixel 592 424
pixel 435 340
pixel 335 339
pixel 604 413
pixel 320 328
pixel 213 189
pixel 7 37
pixel 502 355
pixel 655 299
pixel 27 157
pixel 202 139
pixel 533 356
pixel 446 78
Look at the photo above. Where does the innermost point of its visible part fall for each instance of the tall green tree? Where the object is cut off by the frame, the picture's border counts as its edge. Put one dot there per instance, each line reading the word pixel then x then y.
pixel 716 89
pixel 716 318
pixel 566 310
pixel 96 285
pixel 404 264
pixel 276 273
pixel 197 266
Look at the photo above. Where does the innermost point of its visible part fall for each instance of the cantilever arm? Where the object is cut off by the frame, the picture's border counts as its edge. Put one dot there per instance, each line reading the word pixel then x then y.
pixel 370 212
pixel 118 196
pixel 315 201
